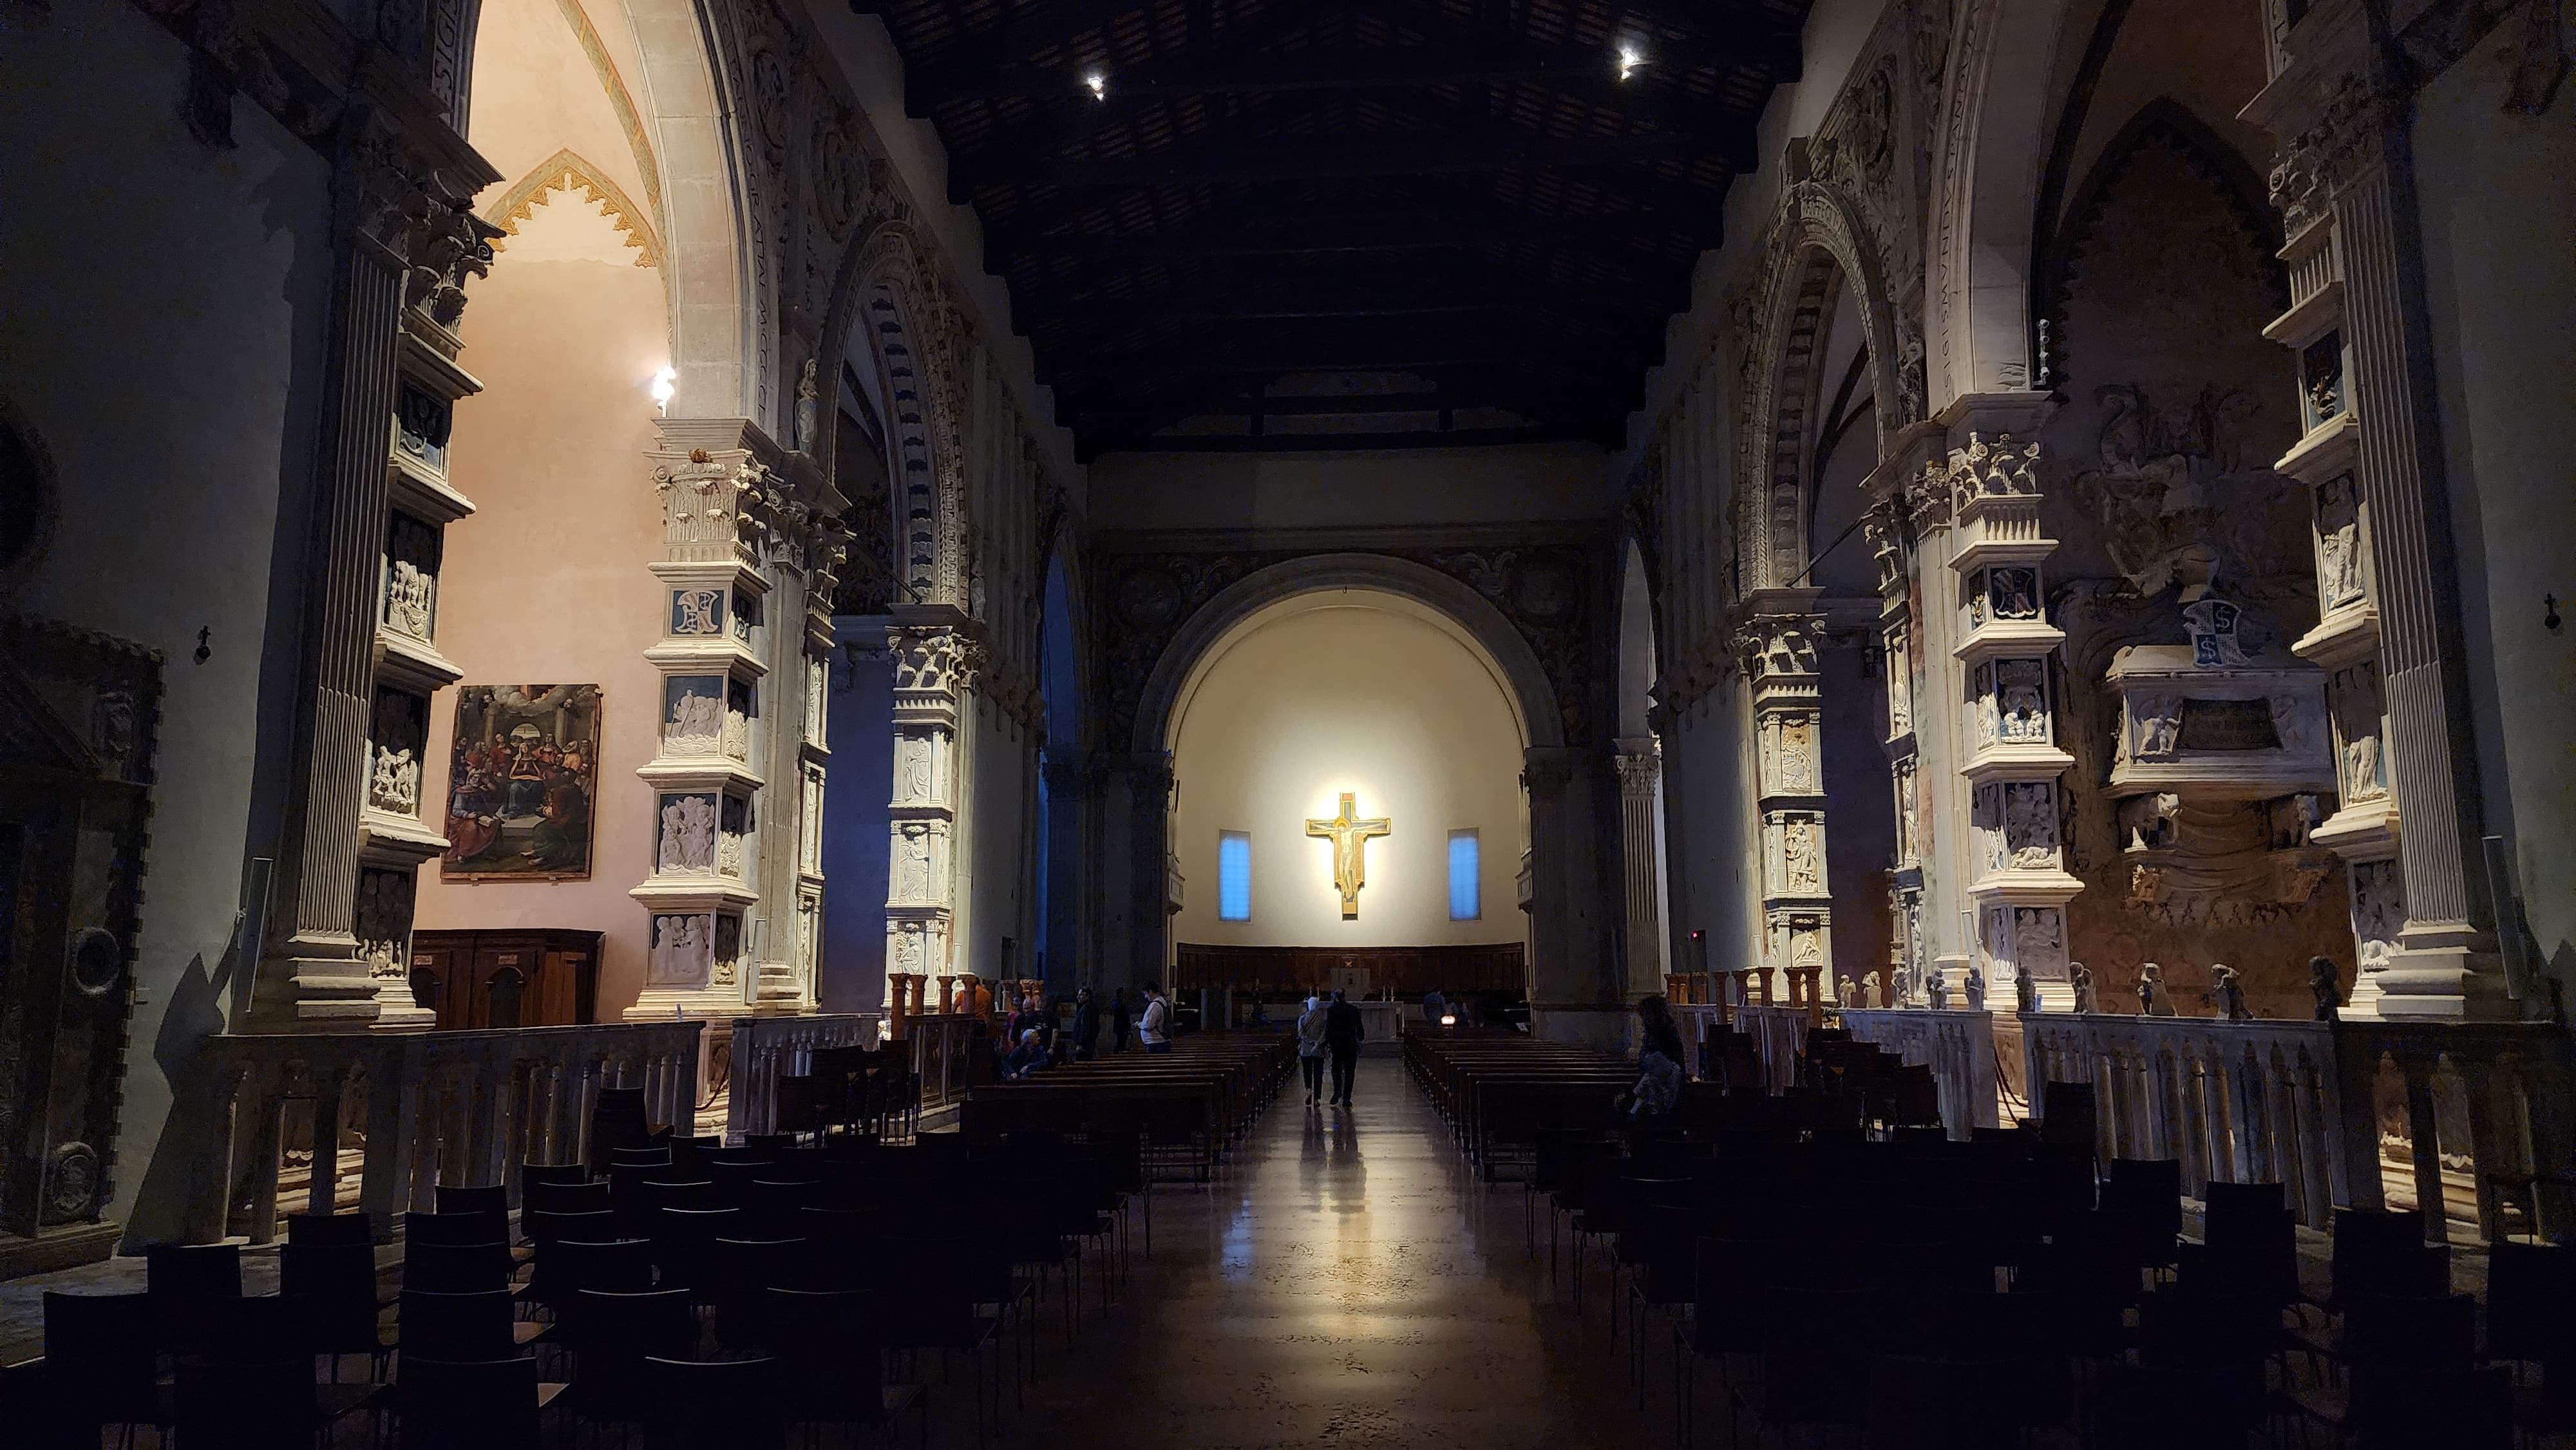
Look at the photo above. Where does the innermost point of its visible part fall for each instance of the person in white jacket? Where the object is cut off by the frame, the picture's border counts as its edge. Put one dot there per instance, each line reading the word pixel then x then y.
pixel 1154 1029
pixel 1310 1048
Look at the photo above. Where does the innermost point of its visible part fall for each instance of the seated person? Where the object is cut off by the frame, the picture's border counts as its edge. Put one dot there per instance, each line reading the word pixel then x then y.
pixel 1030 1056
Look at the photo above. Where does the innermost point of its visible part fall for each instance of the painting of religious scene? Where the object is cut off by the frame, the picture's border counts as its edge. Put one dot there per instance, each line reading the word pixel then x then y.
pixel 520 783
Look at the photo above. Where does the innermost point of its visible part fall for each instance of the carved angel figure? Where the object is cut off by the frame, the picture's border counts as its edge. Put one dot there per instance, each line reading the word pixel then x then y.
pixel 2082 978
pixel 688 834
pixel 1976 987
pixel 394 785
pixel 407 599
pixel 2159 725
pixel 697 720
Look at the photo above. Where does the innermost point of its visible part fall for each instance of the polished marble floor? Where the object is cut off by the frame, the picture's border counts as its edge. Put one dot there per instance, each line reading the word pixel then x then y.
pixel 1347 1282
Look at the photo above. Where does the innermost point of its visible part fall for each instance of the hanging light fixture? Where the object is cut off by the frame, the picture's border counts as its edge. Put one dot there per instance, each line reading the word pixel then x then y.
pixel 1098 84
pixel 1632 57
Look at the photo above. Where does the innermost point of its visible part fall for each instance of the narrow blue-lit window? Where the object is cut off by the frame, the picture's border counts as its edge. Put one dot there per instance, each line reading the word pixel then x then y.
pixel 1465 902
pixel 1233 876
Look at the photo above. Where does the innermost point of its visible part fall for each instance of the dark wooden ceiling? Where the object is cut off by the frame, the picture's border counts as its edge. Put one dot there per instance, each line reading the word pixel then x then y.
pixel 1444 221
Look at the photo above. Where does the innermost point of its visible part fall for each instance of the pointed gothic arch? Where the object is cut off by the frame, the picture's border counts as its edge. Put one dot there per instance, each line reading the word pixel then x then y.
pixel 886 287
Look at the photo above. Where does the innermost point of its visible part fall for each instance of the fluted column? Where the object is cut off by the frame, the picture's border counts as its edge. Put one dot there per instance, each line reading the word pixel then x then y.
pixel 1641 783
pixel 406 237
pixel 2391 637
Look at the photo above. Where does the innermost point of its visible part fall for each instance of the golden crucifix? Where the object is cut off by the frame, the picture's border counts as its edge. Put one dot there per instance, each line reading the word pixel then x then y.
pixel 1350 845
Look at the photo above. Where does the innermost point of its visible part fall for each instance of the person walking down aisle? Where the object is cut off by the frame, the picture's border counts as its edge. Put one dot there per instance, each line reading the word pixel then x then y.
pixel 1086 1026
pixel 1155 1028
pixel 1343 1034
pixel 1310 1048
pixel 1119 1021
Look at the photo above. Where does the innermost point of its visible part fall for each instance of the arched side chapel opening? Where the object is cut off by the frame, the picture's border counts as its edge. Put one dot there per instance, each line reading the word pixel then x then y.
pixel 1815 434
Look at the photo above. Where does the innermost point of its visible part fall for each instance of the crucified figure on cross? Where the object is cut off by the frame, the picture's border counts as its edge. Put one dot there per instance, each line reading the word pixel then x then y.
pixel 1350 846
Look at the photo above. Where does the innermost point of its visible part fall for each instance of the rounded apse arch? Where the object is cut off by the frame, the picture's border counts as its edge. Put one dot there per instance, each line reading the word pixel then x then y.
pixel 1444 602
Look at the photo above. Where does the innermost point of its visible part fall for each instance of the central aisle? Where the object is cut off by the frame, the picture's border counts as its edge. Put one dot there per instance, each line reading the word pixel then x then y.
pixel 1350 1283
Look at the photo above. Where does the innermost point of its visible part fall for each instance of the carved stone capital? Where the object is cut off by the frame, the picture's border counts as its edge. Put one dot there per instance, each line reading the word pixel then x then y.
pixel 1997 466
pixel 935 658
pixel 1768 645
pixel 714 504
pixel 2344 136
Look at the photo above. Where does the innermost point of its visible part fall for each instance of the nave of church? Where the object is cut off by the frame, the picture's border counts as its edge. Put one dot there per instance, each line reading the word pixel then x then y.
pixel 602 598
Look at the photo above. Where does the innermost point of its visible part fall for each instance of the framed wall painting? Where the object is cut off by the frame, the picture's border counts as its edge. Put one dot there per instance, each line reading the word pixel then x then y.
pixel 522 777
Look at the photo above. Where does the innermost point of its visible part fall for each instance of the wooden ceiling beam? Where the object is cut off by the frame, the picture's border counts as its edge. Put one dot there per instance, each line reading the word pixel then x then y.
pixel 1281 234
pixel 1383 154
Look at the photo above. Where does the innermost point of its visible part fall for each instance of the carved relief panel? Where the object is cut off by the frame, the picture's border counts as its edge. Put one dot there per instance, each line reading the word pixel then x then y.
pixel 2343 573
pixel 396 740
pixel 411 576
pixel 2360 734
pixel 687 839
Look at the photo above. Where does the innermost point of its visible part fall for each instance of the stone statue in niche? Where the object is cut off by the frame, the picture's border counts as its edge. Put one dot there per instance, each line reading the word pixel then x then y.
pixel 908 949
pixel 2363 778
pixel 681 951
pixel 729 854
pixel 688 834
pixel 809 411
pixel 1908 813
pixel 2030 823
pixel 2227 994
pixel 2147 821
pixel 2082 977
pixel 1798 851
pixel 2016 593
pixel 2152 999
pixel 2159 726
pixel 1976 988
pixel 916 768
pixel 1976 608
pixel 696 724
pixel 407 594
pixel 737 734
pixel 2021 686
pixel 1988 727
pixel 912 863
pixel 697 611
pixel 393 786
pixel 2325 989
pixel 2338 543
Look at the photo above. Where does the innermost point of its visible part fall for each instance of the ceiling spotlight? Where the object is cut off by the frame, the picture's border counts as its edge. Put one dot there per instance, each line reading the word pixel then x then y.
pixel 1632 54
pixel 1097 84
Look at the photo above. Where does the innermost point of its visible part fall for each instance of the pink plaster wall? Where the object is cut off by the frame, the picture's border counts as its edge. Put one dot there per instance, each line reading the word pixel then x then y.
pixel 546 583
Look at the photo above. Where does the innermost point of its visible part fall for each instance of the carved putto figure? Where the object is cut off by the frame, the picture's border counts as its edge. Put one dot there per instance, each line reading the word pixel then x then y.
pixel 2159 725
pixel 1847 992
pixel 2324 988
pixel 394 785
pixel 680 947
pixel 2338 544
pixel 2025 992
pixel 2082 978
pixel 1936 990
pixel 2024 703
pixel 2030 824
pixel 407 599
pixel 2227 993
pixel 688 834
pixel 2152 1000
pixel 697 722
pixel 1976 987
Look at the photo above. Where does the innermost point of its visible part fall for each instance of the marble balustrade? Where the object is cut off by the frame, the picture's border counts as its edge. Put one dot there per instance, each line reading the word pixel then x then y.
pixel 453 1107
pixel 766 1049
pixel 1959 1047
pixel 2234 1102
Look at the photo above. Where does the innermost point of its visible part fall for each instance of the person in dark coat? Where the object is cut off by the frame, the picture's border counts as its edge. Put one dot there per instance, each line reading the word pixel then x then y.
pixel 1343 1034
pixel 1120 1024
pixel 1086 1026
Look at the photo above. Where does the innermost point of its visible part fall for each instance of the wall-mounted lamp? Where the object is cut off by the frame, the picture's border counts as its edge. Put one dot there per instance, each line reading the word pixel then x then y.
pixel 666 385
